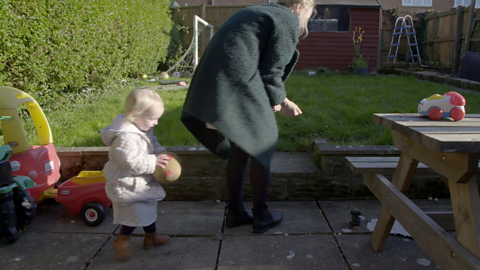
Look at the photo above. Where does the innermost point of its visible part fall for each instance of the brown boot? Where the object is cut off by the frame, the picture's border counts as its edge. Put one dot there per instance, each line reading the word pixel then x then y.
pixel 121 245
pixel 154 239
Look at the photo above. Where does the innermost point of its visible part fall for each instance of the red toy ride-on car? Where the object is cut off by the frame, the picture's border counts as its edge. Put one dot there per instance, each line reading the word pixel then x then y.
pixel 85 194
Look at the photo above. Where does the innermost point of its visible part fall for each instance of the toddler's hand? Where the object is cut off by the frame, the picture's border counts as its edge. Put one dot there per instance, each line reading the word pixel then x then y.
pixel 162 160
pixel 290 109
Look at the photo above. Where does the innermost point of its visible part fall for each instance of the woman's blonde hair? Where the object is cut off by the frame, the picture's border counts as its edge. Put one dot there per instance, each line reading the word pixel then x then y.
pixel 140 100
pixel 303 15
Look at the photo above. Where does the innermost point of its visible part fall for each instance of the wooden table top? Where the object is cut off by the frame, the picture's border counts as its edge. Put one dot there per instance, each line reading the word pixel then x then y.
pixel 444 135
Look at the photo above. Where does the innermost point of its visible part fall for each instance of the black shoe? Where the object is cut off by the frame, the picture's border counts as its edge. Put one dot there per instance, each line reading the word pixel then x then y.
pixel 237 218
pixel 265 220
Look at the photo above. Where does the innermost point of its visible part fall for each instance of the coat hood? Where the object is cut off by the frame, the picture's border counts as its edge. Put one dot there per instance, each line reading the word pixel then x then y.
pixel 119 125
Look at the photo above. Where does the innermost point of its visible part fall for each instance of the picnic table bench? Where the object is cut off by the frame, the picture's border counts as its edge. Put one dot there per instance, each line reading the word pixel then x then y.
pixel 452 150
pixel 380 165
pixel 386 165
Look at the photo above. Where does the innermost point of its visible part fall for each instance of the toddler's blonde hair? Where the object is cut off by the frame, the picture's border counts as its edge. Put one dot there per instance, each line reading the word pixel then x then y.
pixel 140 100
pixel 302 16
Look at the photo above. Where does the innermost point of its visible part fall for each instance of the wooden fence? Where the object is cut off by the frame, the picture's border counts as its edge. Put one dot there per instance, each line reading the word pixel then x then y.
pixel 444 40
pixel 446 34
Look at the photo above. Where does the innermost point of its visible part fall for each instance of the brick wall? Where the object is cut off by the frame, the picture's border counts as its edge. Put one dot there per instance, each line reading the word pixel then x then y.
pixel 438 5
pixel 389 4
pixel 220 2
pixel 294 176
pixel 239 2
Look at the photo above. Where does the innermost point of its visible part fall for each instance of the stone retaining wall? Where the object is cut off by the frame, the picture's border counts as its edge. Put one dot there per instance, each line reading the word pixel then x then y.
pixel 435 77
pixel 318 175
pixel 347 185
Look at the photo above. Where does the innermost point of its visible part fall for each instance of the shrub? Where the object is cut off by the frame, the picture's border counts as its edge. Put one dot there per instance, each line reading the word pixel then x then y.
pixel 176 47
pixel 358 60
pixel 55 49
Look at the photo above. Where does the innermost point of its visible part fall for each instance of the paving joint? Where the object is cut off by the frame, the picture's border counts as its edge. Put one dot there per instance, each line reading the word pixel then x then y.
pixel 218 253
pixel 87 264
pixel 334 236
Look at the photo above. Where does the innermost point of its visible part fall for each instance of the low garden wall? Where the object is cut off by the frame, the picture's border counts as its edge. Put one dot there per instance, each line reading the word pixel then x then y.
pixel 321 174
pixel 435 77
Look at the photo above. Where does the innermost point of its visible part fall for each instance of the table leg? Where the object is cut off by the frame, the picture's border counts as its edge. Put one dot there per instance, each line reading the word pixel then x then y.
pixel 466 212
pixel 401 179
pixel 442 248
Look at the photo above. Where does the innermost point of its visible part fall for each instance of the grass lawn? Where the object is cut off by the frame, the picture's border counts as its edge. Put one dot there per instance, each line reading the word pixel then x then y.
pixel 338 108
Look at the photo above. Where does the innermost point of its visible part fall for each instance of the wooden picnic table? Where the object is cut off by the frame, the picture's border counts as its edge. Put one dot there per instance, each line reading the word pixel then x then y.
pixel 452 149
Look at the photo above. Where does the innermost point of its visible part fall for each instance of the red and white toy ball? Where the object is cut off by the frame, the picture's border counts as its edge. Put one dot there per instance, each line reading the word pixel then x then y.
pixel 172 170
pixel 451 104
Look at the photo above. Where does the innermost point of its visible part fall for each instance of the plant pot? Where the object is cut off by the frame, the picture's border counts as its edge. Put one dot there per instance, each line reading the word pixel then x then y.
pixel 360 71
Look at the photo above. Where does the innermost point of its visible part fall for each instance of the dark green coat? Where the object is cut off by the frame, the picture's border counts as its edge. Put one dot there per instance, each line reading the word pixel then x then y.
pixel 239 78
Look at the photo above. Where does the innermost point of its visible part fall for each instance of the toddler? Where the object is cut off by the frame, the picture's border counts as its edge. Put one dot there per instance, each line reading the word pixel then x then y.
pixel 133 157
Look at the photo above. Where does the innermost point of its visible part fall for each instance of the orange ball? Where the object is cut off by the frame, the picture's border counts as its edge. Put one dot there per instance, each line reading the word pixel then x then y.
pixel 172 170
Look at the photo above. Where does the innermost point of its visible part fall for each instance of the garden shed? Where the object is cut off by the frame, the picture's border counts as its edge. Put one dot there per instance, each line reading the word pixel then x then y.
pixel 329 43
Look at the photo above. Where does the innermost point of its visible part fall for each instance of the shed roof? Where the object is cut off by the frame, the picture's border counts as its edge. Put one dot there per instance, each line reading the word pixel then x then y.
pixel 351 3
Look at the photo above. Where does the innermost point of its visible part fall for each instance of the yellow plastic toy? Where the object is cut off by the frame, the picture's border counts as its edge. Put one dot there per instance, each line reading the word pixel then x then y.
pixel 38 162
pixel 13 135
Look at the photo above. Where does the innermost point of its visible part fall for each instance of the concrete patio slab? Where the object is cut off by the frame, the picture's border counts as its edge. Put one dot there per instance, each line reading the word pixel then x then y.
pixel 280 252
pixel 299 217
pixel 183 218
pixel 338 212
pixel 304 240
pixel 57 219
pixel 178 253
pixel 45 251
pixel 400 253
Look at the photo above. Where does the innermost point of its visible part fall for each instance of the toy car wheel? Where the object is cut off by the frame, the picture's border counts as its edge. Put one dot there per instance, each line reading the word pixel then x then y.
pixel 457 114
pixel 12 235
pixel 93 213
pixel 435 113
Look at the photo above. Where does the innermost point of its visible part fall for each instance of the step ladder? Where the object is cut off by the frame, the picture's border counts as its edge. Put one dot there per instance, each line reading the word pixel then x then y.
pixel 404 25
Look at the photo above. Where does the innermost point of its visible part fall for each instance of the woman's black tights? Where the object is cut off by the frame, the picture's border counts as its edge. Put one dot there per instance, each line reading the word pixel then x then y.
pixel 259 179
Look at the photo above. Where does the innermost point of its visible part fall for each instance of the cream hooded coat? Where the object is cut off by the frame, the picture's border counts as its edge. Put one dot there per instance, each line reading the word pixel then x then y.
pixel 129 173
pixel 132 161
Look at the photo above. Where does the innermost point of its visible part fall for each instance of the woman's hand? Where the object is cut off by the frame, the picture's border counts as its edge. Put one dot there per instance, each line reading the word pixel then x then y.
pixel 162 160
pixel 289 108
pixel 277 108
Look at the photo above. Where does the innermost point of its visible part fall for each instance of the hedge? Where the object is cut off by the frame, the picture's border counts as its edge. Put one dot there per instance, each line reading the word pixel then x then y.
pixel 50 48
